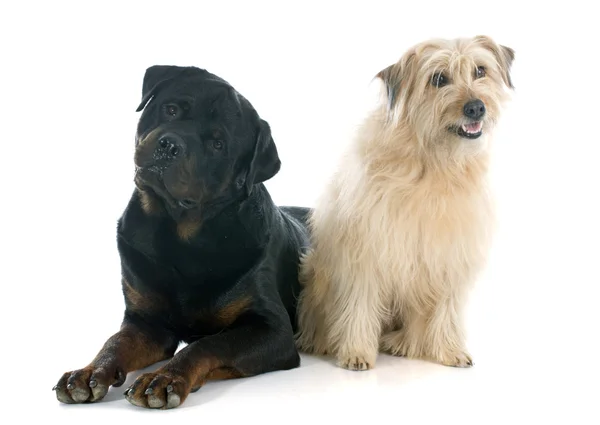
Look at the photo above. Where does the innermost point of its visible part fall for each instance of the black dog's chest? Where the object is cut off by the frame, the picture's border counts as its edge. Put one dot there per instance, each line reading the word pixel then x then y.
pixel 185 287
pixel 192 315
pixel 152 245
pixel 189 309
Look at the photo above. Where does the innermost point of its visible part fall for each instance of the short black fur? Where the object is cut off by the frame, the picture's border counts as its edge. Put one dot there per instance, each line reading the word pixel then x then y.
pixel 207 257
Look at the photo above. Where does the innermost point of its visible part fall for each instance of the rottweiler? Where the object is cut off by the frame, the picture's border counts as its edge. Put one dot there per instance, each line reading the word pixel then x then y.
pixel 207 258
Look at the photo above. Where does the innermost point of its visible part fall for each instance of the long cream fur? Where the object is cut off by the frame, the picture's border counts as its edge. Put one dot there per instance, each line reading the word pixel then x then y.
pixel 404 226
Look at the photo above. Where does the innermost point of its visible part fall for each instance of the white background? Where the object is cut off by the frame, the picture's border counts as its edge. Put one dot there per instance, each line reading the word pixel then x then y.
pixel 71 77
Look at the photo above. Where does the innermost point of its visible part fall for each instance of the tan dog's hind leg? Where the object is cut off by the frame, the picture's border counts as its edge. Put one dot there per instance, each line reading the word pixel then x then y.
pixel 435 335
pixel 312 332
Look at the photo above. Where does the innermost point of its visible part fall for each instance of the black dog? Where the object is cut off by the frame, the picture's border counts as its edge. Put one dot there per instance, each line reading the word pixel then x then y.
pixel 206 256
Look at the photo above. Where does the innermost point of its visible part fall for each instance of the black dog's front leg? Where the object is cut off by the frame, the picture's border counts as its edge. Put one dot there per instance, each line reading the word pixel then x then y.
pixel 256 345
pixel 134 347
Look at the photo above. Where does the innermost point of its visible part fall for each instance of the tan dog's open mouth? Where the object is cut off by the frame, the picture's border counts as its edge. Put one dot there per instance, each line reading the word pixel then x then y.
pixel 469 131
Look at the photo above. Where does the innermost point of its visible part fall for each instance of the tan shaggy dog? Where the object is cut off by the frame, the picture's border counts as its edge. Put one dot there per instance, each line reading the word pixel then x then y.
pixel 404 227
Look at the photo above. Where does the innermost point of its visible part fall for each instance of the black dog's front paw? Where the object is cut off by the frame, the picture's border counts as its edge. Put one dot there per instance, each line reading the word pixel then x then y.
pixel 158 391
pixel 87 385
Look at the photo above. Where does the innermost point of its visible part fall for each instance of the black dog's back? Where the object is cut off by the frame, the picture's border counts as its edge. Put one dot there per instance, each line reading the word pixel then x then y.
pixel 299 213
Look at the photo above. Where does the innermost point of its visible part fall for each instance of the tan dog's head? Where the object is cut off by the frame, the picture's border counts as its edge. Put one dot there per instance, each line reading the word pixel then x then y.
pixel 449 92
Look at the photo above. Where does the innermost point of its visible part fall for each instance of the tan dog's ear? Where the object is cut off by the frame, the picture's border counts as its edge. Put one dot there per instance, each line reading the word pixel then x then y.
pixel 507 57
pixel 504 56
pixel 391 81
pixel 393 77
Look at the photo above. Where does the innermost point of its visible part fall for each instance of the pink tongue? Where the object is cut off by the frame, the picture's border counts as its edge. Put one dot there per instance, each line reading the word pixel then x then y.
pixel 473 128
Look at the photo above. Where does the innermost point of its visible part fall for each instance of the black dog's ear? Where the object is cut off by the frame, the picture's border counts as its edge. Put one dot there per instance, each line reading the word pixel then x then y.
pixel 265 161
pixel 156 76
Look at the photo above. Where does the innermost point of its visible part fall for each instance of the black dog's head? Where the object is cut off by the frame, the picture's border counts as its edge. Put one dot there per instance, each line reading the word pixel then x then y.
pixel 199 144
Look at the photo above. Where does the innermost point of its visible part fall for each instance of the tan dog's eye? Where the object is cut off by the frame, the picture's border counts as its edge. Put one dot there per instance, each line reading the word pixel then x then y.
pixel 480 72
pixel 217 144
pixel 439 80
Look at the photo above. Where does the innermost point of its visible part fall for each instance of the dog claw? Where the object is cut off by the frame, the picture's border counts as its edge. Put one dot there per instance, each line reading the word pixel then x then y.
pixel 157 391
pixel 70 386
pixel 120 378
pixel 126 391
pixel 93 383
pixel 54 388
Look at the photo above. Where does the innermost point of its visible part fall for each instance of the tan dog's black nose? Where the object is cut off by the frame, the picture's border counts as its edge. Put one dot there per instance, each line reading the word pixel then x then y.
pixel 474 109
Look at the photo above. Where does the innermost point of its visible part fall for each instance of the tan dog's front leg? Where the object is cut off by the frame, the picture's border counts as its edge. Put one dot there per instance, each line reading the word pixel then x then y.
pixel 444 340
pixel 354 324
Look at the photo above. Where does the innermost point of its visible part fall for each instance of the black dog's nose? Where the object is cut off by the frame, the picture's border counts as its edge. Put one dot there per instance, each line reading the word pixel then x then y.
pixel 170 146
pixel 474 109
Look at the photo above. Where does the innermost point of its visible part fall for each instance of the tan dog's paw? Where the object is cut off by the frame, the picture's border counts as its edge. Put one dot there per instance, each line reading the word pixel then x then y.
pixel 157 391
pixel 457 359
pixel 87 385
pixel 355 362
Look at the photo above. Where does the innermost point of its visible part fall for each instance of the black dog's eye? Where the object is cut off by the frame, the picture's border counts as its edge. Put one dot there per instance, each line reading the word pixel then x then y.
pixel 480 72
pixel 217 144
pixel 439 80
pixel 172 110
